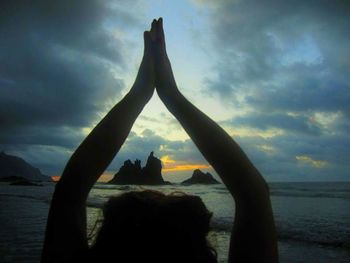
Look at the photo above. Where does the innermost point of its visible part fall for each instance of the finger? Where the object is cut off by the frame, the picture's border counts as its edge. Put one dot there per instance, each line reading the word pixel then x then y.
pixel 147 39
pixel 153 29
pixel 154 23
pixel 160 31
pixel 160 40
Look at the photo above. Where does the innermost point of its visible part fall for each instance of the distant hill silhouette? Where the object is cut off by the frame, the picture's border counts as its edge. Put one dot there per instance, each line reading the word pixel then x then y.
pixel 132 173
pixel 13 168
pixel 198 177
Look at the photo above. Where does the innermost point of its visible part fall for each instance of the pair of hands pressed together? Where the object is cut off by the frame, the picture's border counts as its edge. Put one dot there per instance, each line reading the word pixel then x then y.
pixel 155 69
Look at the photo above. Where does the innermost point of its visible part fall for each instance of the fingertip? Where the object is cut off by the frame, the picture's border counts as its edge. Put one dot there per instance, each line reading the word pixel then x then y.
pixel 160 30
pixel 159 23
pixel 154 23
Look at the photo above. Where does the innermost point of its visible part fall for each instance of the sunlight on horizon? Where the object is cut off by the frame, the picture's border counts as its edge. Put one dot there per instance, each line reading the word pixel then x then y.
pixel 170 165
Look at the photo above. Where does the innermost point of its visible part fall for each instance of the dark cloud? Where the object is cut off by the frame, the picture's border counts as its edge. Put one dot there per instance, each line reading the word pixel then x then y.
pixel 295 124
pixel 78 25
pixel 58 64
pixel 57 70
pixel 65 136
pixel 286 61
pixel 308 88
pixel 292 52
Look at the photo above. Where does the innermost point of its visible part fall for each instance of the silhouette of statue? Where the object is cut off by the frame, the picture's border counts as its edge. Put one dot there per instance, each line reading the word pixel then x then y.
pixel 150 226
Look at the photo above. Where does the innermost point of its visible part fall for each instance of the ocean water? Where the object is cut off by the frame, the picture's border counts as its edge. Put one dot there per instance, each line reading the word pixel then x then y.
pixel 313 219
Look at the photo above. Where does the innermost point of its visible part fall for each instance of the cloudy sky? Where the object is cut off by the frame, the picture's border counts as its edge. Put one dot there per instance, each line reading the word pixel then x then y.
pixel 274 74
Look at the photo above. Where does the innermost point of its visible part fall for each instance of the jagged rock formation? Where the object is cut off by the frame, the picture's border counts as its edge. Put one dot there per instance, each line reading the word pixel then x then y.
pixel 13 166
pixel 198 177
pixel 132 173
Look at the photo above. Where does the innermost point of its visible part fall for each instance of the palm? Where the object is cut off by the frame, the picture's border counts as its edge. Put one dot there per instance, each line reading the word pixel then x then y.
pixel 145 80
pixel 164 81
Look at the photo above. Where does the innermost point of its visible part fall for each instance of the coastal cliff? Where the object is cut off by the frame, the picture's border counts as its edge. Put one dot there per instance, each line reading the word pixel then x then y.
pixel 13 168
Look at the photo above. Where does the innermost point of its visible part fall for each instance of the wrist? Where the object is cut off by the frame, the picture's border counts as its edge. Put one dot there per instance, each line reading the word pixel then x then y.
pixel 137 97
pixel 167 91
pixel 142 90
pixel 170 97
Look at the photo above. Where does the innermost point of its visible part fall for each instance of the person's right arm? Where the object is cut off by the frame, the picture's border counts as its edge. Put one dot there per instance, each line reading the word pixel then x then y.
pixel 253 236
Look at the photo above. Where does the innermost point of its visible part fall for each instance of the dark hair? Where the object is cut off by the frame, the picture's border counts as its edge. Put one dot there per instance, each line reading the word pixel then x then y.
pixel 149 226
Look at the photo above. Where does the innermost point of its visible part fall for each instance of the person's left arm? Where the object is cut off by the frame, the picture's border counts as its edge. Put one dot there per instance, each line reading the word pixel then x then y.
pixel 66 224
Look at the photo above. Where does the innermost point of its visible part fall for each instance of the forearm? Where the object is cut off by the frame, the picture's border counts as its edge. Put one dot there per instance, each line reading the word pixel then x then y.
pixel 99 148
pixel 67 212
pixel 220 150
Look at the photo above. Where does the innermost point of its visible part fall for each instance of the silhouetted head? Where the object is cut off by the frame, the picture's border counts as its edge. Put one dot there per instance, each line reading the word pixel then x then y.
pixel 150 226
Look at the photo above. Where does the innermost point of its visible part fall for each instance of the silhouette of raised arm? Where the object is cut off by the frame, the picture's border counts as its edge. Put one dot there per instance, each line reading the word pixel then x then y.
pixel 253 236
pixel 66 225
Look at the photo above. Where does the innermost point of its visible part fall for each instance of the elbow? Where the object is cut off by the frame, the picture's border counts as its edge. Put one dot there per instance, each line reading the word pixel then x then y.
pixel 262 187
pixel 251 187
pixel 266 187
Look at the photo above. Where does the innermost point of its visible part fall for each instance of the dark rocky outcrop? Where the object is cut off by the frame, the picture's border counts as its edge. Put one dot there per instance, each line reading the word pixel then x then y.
pixel 198 177
pixel 13 166
pixel 132 173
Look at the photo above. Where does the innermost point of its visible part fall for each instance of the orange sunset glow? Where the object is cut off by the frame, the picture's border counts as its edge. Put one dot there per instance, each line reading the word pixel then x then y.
pixel 105 177
pixel 55 178
pixel 170 165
